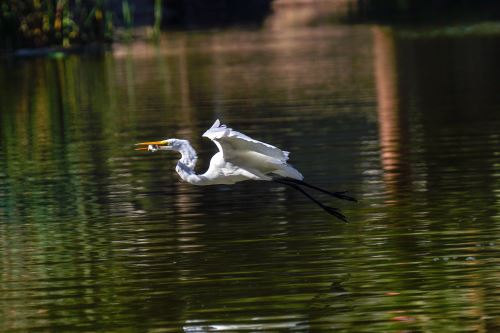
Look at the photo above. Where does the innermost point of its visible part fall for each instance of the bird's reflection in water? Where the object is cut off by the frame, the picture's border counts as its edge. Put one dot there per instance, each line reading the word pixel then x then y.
pixel 337 297
pixel 288 323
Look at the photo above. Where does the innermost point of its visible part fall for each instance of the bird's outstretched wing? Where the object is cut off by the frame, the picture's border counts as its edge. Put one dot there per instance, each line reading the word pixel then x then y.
pixel 231 142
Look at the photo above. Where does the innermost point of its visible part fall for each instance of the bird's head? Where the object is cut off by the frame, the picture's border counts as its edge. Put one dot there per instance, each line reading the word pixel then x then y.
pixel 169 144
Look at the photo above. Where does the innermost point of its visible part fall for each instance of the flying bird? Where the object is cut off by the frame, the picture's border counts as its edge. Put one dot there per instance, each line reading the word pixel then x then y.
pixel 241 158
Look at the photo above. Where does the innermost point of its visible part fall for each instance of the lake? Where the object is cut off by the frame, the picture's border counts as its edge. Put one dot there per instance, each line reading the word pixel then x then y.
pixel 95 236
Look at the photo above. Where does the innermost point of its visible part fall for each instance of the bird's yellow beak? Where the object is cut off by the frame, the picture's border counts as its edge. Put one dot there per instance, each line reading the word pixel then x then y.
pixel 146 145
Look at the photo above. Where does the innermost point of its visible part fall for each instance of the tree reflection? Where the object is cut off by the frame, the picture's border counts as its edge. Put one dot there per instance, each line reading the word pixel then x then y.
pixel 96 235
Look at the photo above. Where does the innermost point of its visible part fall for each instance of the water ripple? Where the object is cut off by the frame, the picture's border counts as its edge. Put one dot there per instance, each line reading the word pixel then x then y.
pixel 95 236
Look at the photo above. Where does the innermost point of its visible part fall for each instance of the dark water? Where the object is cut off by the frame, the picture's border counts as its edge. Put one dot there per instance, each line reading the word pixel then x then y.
pixel 95 236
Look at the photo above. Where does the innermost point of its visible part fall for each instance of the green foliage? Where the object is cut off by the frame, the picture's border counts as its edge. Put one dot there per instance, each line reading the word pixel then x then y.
pixel 36 23
pixel 128 18
pixel 158 15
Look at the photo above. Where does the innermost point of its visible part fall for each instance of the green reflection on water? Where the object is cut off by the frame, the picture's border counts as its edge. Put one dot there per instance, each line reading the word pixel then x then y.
pixel 95 236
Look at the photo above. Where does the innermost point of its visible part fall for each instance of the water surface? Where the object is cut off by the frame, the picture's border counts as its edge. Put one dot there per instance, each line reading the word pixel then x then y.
pixel 95 236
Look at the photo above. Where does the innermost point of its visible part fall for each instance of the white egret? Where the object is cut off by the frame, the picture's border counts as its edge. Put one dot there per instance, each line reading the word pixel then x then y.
pixel 240 158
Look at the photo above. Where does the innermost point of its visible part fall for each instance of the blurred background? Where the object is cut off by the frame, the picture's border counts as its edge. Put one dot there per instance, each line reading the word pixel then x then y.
pixel 397 102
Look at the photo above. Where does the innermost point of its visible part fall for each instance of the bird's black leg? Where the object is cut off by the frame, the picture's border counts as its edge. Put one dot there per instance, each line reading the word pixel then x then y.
pixel 331 210
pixel 340 195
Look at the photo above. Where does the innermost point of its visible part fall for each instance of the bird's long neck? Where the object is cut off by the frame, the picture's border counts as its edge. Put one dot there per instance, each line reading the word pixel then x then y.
pixel 185 166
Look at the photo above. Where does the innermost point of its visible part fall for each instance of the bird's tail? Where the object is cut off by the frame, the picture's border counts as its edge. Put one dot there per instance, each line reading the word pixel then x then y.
pixel 288 171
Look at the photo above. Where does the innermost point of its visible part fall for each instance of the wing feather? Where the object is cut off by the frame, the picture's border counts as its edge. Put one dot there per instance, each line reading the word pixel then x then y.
pixel 230 141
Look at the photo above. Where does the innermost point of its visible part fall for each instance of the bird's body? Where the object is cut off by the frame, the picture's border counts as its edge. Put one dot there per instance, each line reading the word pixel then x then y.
pixel 239 158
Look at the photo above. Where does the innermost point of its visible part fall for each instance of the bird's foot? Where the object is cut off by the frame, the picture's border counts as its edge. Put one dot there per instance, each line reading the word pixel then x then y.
pixel 335 212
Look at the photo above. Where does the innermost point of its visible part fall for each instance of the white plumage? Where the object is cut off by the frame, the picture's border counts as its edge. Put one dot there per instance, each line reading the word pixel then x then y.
pixel 240 158
pixel 246 157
